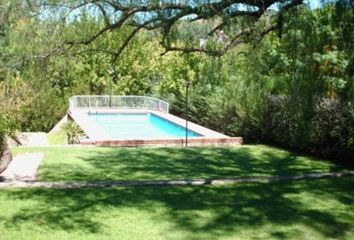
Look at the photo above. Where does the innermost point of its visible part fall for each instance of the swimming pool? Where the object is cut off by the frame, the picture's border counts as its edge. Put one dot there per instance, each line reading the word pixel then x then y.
pixel 139 126
pixel 134 121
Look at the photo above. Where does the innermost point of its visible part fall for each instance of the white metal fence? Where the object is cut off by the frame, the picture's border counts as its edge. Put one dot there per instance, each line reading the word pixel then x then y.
pixel 118 102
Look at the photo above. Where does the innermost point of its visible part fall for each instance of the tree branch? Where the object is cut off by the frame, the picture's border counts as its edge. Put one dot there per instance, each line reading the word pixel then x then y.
pixel 164 15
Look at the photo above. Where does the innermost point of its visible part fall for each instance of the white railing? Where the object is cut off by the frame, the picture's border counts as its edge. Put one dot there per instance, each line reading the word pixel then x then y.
pixel 117 102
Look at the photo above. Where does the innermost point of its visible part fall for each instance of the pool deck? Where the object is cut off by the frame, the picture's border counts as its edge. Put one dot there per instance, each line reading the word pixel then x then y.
pixel 99 137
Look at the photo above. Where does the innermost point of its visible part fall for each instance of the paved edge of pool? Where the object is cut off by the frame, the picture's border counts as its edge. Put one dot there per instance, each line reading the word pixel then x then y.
pixel 98 136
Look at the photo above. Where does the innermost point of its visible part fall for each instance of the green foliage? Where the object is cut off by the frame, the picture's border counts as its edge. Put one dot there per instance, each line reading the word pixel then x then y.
pixel 285 90
pixel 289 91
pixel 73 132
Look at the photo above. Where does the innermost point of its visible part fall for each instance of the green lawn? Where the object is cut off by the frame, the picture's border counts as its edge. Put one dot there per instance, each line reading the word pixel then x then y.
pixel 313 209
pixel 83 163
pixel 321 209
pixel 58 137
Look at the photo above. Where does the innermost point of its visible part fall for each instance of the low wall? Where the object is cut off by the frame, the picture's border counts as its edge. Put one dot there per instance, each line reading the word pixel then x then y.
pixel 170 142
pixel 29 139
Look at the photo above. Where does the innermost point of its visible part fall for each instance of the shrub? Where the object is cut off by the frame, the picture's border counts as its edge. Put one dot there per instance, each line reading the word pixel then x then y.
pixel 73 132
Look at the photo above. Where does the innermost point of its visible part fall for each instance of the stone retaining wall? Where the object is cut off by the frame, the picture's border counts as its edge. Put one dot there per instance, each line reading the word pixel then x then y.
pixel 29 139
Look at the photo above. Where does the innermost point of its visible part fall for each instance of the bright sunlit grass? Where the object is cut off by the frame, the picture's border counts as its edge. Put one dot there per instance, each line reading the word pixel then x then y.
pixel 83 163
pixel 321 209
pixel 57 138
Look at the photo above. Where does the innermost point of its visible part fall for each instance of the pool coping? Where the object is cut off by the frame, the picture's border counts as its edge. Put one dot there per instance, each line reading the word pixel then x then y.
pixel 99 137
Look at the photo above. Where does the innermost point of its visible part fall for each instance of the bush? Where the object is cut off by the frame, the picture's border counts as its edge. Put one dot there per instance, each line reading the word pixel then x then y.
pixel 327 131
pixel 73 132
pixel 330 130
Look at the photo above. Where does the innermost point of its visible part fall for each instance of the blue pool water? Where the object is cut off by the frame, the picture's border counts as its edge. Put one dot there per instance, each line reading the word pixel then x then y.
pixel 139 126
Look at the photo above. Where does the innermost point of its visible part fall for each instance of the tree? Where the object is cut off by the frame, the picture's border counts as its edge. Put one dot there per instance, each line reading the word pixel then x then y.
pixel 258 69
pixel 14 92
pixel 228 23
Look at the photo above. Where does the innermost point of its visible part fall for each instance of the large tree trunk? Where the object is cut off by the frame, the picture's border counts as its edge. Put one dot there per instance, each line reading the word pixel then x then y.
pixel 5 157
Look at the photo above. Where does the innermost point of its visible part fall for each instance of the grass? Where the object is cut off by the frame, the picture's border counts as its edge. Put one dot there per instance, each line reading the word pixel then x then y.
pixel 321 209
pixel 58 137
pixel 80 163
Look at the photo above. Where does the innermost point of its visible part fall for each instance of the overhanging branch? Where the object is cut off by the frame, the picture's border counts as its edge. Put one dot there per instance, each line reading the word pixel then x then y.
pixel 165 15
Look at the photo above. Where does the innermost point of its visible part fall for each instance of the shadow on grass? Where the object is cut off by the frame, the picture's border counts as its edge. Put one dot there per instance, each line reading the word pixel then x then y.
pixel 213 212
pixel 193 163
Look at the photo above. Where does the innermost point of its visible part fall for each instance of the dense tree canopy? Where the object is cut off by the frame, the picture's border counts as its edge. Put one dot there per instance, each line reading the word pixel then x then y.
pixel 275 72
